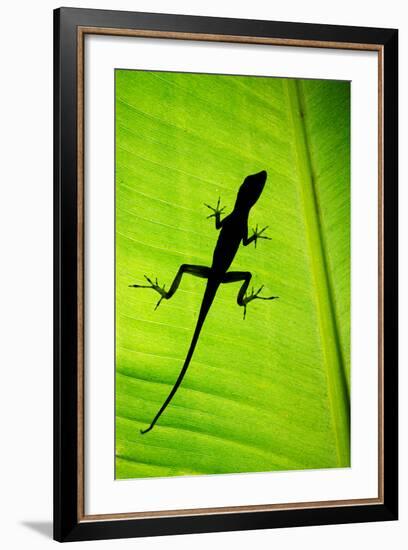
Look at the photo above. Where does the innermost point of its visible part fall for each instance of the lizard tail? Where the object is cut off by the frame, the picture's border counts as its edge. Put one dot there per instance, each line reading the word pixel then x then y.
pixel 209 295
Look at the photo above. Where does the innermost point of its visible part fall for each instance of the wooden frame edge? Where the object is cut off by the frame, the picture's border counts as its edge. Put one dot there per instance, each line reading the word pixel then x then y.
pixel 80 274
pixel 241 39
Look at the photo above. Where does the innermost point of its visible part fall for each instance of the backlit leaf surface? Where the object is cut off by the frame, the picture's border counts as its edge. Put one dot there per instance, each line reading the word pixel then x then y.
pixel 270 392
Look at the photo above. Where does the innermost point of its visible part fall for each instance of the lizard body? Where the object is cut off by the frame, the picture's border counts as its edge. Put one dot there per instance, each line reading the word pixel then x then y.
pixel 233 230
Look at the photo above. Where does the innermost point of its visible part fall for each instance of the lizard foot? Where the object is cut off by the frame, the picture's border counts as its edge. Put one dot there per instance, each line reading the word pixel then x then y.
pixel 255 296
pixel 155 286
pixel 217 211
pixel 257 234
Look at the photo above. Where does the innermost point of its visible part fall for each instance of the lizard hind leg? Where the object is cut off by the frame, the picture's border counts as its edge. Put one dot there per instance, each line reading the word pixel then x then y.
pixel 243 299
pixel 195 270
pixel 254 296
pixel 154 286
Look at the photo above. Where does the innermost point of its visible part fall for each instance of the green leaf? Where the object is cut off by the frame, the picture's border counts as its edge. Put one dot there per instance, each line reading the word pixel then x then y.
pixel 271 392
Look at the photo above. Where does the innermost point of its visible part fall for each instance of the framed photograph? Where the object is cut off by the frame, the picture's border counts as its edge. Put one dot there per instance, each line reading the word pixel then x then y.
pixel 225 274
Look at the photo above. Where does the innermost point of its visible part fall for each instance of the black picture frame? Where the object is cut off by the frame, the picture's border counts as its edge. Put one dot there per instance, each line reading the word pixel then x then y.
pixel 68 524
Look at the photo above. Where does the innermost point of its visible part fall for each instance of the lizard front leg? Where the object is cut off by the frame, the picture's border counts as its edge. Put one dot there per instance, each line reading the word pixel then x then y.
pixel 196 270
pixel 256 234
pixel 217 211
pixel 242 298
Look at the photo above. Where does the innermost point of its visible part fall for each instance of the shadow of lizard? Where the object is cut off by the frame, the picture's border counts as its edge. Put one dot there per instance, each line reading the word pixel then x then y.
pixel 234 230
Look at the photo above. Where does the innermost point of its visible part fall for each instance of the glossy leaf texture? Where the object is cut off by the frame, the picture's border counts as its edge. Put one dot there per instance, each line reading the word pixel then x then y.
pixel 271 392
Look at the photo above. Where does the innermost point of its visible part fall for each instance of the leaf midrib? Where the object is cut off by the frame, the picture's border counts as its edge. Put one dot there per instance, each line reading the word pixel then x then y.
pixel 339 400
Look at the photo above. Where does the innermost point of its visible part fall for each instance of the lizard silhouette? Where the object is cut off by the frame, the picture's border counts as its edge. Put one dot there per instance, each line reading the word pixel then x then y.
pixel 234 230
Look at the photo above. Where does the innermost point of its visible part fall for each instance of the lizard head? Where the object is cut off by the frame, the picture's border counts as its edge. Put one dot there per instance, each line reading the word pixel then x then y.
pixel 251 189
